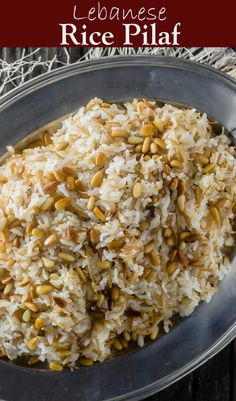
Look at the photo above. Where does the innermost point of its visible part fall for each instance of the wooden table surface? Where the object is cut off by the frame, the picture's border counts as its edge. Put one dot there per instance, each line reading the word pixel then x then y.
pixel 216 379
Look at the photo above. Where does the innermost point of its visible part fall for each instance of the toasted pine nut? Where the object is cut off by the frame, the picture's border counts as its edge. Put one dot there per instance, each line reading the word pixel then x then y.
pixel 159 142
pixel 174 184
pixel 159 125
pixel 192 238
pixel 94 236
pixel 151 276
pixel 171 267
pixel 70 183
pixel 47 138
pixel 127 336
pixel 55 366
pixel 66 170
pixel 86 362
pixel 183 258
pixel 104 264
pixel 154 334
pixel 3 223
pixel 135 140
pixel 91 203
pixel 120 133
pixel 8 288
pixel 100 300
pixel 60 177
pixel 154 148
pixel 39 323
pixel 202 159
pixel 36 232
pixel 26 316
pixel 99 214
pixel 115 292
pixel 147 130
pixel 154 258
pixel 61 146
pixel 181 187
pixel 117 344
pixel 32 344
pixel 81 274
pixel 181 203
pixel 100 159
pixel 71 234
pixel 138 148
pixel 168 232
pixel 137 190
pixel 172 255
pixel 215 215
pixel 208 168
pixel 176 163
pixel 97 178
pixel 47 204
pixel 149 247
pixel 146 145
pixel 33 360
pixel 182 246
pixel 50 188
pixel 48 263
pixel 44 289
pixel 79 185
pixel 66 257
pixel 184 234
pixel 62 203
pixel 31 306
pixel 116 244
pixel 24 283
pixel 51 240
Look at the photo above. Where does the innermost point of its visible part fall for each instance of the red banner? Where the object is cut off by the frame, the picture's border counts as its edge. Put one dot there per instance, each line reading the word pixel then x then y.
pixel 117 23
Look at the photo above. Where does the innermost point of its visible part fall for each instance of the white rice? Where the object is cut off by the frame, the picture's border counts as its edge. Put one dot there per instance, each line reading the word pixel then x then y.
pixel 141 291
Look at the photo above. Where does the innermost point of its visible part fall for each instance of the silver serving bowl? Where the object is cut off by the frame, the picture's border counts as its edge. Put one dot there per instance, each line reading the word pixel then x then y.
pixel 195 339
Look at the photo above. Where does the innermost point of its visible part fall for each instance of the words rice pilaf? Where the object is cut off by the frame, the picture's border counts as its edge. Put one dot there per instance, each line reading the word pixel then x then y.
pixel 110 227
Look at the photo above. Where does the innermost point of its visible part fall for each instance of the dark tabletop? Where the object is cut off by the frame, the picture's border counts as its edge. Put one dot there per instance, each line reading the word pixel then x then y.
pixel 216 379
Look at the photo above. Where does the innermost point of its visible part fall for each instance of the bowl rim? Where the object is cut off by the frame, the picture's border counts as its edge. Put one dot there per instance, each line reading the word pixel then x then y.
pixel 124 61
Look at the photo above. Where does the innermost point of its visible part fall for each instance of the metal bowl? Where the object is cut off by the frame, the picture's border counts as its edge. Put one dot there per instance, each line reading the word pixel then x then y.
pixel 212 326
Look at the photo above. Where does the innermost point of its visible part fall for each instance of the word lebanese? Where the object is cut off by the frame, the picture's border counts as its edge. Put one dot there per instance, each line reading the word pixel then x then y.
pixel 141 26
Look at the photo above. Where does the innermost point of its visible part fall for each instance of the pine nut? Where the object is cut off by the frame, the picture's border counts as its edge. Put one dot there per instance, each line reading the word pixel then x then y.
pixel 120 133
pixel 91 203
pixel 79 185
pixel 115 292
pixel 181 187
pixel 154 334
pixel 33 360
pixel 154 148
pixel 137 190
pixel 32 344
pixel 51 240
pixel 61 146
pixel 159 142
pixel 60 177
pixel 31 306
pixel 100 159
pixel 50 188
pixel 174 184
pixel 159 125
pixel 154 258
pixel 171 267
pixel 202 159
pixel 146 145
pixel 100 300
pixel 181 203
pixel 138 148
pixel 70 183
pixel 117 344
pixel 8 288
pixel 182 246
pixel 99 214
pixel 26 316
pixel 215 215
pixel 39 323
pixel 104 264
pixel 94 236
pixel 71 234
pixel 192 238
pixel 47 138
pixel 116 244
pixel 35 144
pixel 183 258
pixel 151 276
pixel 168 232
pixel 66 170
pixel 149 247
pixel 3 223
pixel 208 168
pixel 176 163
pixel 56 367
pixel 147 130
pixel 127 336
pixel 48 263
pixel 62 203
pixel 86 362
pixel 47 204
pixel 66 257
pixel 97 178
pixel 81 274
pixel 36 232
pixel 135 140
pixel 44 289
pixel 24 283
